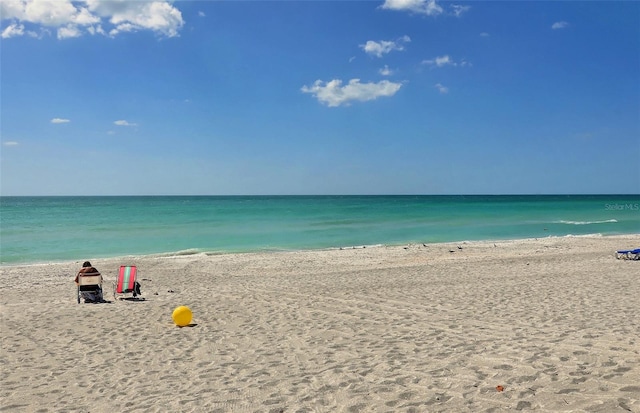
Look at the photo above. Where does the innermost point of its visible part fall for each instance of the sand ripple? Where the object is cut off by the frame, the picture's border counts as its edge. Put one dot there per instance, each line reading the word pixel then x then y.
pixel 416 329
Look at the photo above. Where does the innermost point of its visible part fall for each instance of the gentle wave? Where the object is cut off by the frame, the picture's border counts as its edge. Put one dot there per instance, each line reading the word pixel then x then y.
pixel 170 254
pixel 608 221
pixel 596 235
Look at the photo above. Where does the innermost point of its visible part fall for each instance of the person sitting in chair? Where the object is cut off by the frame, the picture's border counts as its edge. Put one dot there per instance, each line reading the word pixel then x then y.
pixel 93 295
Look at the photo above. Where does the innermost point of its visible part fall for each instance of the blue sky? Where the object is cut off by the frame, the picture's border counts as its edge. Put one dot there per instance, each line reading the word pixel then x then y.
pixel 319 97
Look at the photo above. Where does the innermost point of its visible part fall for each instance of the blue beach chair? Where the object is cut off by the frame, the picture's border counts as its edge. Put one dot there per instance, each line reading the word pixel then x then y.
pixel 628 254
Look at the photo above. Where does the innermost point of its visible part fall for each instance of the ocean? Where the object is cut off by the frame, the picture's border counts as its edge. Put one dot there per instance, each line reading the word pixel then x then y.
pixel 49 229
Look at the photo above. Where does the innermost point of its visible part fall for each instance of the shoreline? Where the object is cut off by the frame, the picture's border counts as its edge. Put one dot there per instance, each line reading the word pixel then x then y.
pixel 546 324
pixel 195 252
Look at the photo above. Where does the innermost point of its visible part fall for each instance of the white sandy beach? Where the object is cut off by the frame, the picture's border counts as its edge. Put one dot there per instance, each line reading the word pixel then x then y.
pixel 554 321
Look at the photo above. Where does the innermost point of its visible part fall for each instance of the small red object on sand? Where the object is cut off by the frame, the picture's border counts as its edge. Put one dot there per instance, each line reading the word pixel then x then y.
pixel 499 388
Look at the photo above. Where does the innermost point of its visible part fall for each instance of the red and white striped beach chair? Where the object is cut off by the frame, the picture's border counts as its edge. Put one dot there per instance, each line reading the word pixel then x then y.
pixel 126 282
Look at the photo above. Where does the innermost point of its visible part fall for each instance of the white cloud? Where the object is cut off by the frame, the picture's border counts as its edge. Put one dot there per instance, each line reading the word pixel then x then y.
pixel 13 30
pixel 442 89
pixel 60 120
pixel 445 60
pixel 484 34
pixel 10 143
pixel 385 71
pixel 459 10
pixel 428 7
pixel 383 47
pixel 158 16
pixel 122 28
pixel 124 123
pixel 559 25
pixel 68 32
pixel 201 14
pixel 75 18
pixel 333 93
pixel 96 30
pixel 439 61
pixel 50 13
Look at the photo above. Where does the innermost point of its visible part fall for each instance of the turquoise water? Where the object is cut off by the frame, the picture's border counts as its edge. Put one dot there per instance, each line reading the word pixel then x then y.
pixel 43 229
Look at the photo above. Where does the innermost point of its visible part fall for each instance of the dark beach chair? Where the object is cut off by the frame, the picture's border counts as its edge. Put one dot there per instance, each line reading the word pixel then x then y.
pixel 90 283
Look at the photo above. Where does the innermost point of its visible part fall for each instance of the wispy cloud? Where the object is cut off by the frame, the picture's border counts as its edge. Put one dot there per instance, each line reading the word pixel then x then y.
pixel 13 30
pixel 459 10
pixel 60 120
pixel 559 25
pixel 333 93
pixel 71 18
pixel 442 89
pixel 16 30
pixel 383 47
pixel 438 61
pixel 445 60
pixel 385 71
pixel 124 123
pixel 10 143
pixel 201 14
pixel 484 34
pixel 427 7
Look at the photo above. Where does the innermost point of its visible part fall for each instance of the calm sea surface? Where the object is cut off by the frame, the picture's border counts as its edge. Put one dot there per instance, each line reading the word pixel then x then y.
pixel 43 229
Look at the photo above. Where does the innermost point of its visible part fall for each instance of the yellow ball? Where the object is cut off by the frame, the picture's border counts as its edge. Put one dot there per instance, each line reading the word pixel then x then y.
pixel 182 316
